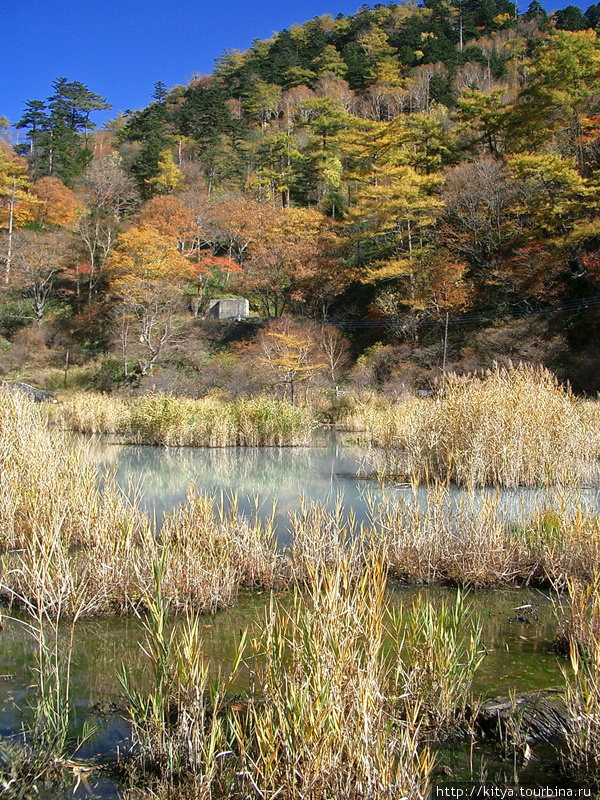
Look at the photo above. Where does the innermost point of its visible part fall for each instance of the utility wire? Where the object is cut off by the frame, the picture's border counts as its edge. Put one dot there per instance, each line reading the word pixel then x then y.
pixel 466 319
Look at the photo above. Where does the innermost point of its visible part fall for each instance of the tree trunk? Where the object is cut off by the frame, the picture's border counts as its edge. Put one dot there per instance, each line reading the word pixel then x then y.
pixel 10 231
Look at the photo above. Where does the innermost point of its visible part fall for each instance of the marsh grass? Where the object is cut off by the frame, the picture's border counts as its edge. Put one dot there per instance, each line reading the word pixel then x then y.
pixel 434 537
pixel 323 537
pixel 66 528
pixel 511 427
pixel 178 728
pixel 65 534
pixel 212 552
pixel 444 540
pixel 342 696
pixel 326 725
pixel 440 652
pixel 320 719
pixel 169 421
pixel 41 757
pixel 582 694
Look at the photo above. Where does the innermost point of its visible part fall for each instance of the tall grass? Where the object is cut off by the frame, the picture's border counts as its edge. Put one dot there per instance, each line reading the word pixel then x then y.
pixel 323 716
pixel 169 421
pixel 441 651
pixel 326 725
pixel 178 729
pixel 40 758
pixel 511 427
pixel 63 535
pixel 434 537
pixel 343 693
pixel 582 695
pixel 211 552
pixel 63 532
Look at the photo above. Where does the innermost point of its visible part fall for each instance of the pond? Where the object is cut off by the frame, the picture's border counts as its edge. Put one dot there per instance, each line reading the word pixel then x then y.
pixel 518 624
pixel 259 476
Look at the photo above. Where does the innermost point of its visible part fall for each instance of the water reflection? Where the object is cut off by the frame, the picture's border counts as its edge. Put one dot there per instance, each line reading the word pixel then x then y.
pixel 517 628
pixel 322 474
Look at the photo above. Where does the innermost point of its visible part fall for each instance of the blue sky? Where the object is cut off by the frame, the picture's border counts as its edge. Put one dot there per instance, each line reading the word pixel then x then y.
pixel 120 48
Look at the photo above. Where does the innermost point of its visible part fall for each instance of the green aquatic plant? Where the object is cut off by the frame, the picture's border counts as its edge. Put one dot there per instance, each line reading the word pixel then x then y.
pixel 174 422
pixel 440 651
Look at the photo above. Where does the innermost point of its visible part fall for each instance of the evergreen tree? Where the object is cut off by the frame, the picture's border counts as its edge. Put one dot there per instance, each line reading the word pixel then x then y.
pixel 58 130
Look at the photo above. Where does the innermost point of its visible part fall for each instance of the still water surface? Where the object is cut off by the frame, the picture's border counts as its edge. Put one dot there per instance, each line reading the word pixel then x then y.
pixel 260 476
pixel 518 624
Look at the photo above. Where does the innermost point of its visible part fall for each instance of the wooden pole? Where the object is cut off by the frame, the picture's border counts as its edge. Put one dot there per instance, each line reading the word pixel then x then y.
pixel 445 344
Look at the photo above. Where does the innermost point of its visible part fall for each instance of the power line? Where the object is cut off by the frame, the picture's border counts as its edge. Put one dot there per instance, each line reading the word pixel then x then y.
pixel 466 319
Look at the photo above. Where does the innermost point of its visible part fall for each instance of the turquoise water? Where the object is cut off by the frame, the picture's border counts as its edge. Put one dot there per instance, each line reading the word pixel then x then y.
pixel 518 624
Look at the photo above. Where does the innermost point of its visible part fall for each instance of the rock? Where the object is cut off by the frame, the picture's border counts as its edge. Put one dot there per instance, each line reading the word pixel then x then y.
pixel 30 392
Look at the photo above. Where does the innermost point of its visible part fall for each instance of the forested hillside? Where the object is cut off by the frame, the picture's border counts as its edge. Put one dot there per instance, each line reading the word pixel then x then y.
pixel 407 189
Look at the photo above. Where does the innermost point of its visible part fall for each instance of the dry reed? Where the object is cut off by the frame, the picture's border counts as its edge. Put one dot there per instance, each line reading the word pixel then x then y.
pixel 510 427
pixel 322 717
pixel 63 533
pixel 582 694
pixel 64 536
pixel 173 422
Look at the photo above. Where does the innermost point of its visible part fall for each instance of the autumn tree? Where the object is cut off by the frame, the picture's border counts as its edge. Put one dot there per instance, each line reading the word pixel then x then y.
pixel 38 259
pixel 283 259
pixel 483 119
pixel 97 234
pixel 56 205
pixel 15 204
pixel 231 227
pixel 146 272
pixel 170 216
pixel 108 187
pixel 168 177
pixel 565 81
pixel 395 214
pixel 290 353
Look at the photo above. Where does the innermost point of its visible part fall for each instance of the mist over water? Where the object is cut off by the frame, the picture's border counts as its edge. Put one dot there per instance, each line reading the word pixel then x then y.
pixel 267 478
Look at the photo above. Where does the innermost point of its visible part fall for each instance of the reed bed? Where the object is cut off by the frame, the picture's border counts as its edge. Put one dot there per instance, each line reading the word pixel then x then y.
pixel 511 427
pixel 175 422
pixel 67 532
pixel 329 723
pixel 582 695
pixel 91 412
pixel 67 539
pixel 434 537
pixel 208 546
pixel 343 695
pixel 324 537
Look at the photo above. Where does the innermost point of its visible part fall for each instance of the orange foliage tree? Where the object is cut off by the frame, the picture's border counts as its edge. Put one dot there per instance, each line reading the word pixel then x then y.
pixel 285 259
pixel 147 272
pixel 57 205
pixel 172 219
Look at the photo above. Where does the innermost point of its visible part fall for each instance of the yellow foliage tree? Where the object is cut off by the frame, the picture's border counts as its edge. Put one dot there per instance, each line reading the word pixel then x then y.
pixel 146 271
pixel 169 177
pixel 15 203
pixel 291 355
